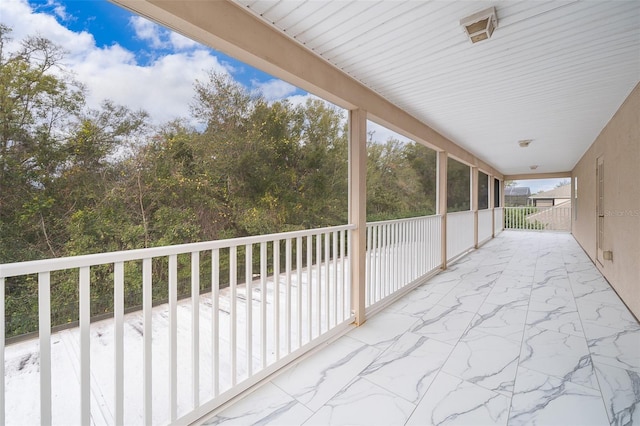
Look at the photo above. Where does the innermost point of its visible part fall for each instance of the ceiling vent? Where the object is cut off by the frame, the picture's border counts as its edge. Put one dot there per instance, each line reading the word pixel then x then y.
pixel 481 25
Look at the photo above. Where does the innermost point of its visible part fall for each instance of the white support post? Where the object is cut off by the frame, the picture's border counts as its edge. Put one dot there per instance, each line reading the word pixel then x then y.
pixel 441 201
pixel 195 327
pixel 357 209
pixel 118 337
pixel 147 306
pixel 474 202
pixel 85 359
pixel 173 337
pixel 2 308
pixel 492 197
pixel 44 330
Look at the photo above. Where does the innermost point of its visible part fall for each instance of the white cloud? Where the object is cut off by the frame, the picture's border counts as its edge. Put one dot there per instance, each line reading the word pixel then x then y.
pixel 381 134
pixel 59 10
pixel 148 31
pixel 180 42
pixel 274 89
pixel 162 88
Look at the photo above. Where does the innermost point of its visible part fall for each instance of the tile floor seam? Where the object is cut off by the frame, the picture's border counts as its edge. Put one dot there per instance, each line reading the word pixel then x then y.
pixel 524 331
pixel 602 398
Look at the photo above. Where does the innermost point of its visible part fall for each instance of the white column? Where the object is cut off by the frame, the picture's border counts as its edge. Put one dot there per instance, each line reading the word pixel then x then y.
pixel 474 202
pixel 492 197
pixel 441 202
pixel 358 209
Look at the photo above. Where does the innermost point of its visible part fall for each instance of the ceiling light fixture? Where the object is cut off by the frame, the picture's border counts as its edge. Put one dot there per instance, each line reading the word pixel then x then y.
pixel 524 142
pixel 480 26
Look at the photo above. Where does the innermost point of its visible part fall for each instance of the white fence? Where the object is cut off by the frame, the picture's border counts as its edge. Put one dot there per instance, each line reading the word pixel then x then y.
pixel 282 295
pixel 485 225
pixel 557 218
pixel 399 252
pixel 235 336
pixel 460 233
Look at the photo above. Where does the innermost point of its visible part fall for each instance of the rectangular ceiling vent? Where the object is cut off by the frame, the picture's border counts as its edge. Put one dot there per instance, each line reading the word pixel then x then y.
pixel 480 26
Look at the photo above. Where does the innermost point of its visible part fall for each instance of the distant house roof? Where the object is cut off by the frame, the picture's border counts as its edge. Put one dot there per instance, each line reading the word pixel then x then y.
pixel 561 192
pixel 517 191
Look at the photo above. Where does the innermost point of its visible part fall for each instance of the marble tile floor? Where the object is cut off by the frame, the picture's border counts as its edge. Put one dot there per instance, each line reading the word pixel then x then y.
pixel 523 331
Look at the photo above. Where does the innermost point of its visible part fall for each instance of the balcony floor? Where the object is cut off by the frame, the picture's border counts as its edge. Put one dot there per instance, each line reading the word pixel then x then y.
pixel 523 331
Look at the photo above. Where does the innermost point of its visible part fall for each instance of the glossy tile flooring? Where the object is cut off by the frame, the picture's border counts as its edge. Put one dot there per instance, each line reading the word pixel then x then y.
pixel 524 331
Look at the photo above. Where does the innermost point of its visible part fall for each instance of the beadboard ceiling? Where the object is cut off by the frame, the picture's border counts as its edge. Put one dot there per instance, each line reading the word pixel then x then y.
pixel 553 71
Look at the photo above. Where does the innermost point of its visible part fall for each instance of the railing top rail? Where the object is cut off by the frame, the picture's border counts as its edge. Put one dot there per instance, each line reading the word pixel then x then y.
pixel 408 219
pixel 62 263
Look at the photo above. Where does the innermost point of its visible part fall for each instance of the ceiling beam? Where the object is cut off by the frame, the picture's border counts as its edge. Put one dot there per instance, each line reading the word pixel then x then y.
pixel 525 176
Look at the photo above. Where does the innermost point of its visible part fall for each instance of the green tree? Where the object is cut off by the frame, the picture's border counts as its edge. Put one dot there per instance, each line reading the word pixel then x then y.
pixel 36 109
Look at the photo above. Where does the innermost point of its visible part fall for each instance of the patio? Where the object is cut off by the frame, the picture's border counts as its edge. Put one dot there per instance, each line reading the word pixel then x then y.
pixel 524 330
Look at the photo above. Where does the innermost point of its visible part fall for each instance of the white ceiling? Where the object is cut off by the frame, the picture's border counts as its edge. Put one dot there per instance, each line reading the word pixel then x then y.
pixel 554 71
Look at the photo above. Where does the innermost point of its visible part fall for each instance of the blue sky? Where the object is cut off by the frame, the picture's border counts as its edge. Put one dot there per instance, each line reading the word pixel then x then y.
pixel 130 60
pixel 110 24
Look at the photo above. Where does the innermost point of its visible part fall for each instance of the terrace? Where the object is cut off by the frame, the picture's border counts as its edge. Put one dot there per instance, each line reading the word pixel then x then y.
pixel 439 319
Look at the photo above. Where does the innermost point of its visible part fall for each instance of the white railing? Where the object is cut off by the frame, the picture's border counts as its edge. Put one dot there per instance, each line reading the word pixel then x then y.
pixel 557 218
pixel 498 220
pixel 485 225
pixel 399 252
pixel 190 356
pixel 460 233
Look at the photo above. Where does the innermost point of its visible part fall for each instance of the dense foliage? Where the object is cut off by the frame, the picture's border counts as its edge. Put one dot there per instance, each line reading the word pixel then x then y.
pixel 75 180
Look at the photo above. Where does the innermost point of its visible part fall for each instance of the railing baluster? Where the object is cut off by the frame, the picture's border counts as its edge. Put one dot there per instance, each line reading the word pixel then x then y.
pixel 173 337
pixel 276 297
pixel 3 419
pixel 369 278
pixel 327 279
pixel 118 313
pixel 397 243
pixel 318 282
pixel 195 327
pixel 299 287
pixel 378 272
pixel 309 286
pixel 84 310
pixel 335 277
pixel 287 295
pixel 233 283
pixel 349 253
pixel 44 332
pixel 343 243
pixel 147 305
pixel 248 262
pixel 215 320
pixel 385 264
pixel 263 303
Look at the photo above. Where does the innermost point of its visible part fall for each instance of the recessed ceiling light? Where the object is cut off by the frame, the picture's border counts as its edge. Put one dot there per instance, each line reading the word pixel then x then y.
pixel 524 142
pixel 535 166
pixel 480 26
